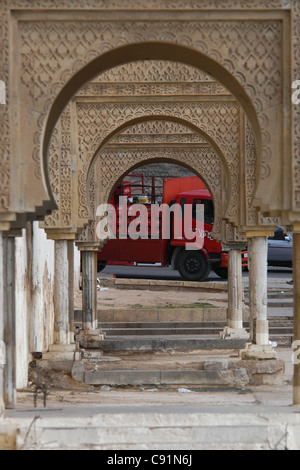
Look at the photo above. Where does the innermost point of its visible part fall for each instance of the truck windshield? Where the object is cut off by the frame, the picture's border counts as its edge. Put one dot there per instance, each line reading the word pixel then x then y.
pixel 208 210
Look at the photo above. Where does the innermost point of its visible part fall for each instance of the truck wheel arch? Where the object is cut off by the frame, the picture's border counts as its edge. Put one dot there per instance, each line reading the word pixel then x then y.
pixel 176 253
pixel 175 257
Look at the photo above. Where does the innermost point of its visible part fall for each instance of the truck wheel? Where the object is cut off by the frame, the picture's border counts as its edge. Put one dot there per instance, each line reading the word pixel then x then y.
pixel 101 265
pixel 222 272
pixel 193 266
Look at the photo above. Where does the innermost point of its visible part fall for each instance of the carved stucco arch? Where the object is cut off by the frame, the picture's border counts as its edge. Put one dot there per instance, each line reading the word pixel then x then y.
pixel 251 43
pixel 210 174
pixel 107 169
pixel 143 51
pixel 214 146
pixel 198 117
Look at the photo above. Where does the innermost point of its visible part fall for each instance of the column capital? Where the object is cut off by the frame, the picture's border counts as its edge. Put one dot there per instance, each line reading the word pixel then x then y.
pixel 88 246
pixel 54 234
pixel 296 227
pixel 258 233
pixel 234 246
pixel 17 232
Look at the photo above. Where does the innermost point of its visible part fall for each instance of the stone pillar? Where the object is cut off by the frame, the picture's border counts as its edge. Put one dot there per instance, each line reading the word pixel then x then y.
pixel 71 289
pixel 64 348
pixel 234 327
pixel 61 293
pixel 258 298
pixel 258 290
pixel 235 289
pixel 89 289
pixel 9 321
pixel 296 278
pixel 90 330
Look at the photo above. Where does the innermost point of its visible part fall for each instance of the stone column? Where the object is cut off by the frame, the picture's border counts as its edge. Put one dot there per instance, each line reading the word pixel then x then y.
pixel 234 327
pixel 235 289
pixel 90 330
pixel 71 289
pixel 64 291
pixel 64 347
pixel 296 278
pixel 258 298
pixel 89 289
pixel 61 293
pixel 9 321
pixel 258 290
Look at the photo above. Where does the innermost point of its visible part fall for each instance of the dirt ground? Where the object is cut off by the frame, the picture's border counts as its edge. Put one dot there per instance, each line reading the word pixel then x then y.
pixel 109 297
pixel 63 391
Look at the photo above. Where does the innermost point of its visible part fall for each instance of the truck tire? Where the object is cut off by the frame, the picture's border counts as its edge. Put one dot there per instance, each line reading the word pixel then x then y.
pixel 221 271
pixel 193 266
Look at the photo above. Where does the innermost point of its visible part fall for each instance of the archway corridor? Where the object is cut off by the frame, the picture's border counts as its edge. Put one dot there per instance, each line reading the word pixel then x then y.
pixel 103 94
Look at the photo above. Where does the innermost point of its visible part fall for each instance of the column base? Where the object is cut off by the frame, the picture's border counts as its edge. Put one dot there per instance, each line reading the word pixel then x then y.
pixel 256 351
pixel 90 335
pixel 62 352
pixel 234 333
pixel 296 395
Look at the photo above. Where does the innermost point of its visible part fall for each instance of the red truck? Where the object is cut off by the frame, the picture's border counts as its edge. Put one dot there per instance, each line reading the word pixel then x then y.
pixel 192 264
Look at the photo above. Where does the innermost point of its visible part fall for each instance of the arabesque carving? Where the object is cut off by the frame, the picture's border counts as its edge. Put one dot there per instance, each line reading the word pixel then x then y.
pixel 255 59
pixel 248 39
pixel 220 121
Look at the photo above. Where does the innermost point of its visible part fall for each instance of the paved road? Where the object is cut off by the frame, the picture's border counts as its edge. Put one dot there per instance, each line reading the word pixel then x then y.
pixel 166 273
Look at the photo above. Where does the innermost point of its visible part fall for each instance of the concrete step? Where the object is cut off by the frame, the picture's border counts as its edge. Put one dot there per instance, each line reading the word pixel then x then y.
pixel 201 369
pixel 277 302
pixel 163 325
pixel 180 331
pixel 155 336
pixel 273 321
pixel 161 343
pixel 159 428
pixel 160 331
pixel 281 303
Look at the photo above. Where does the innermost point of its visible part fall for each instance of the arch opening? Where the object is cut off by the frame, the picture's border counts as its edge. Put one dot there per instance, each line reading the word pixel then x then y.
pixel 215 148
pixel 152 185
pixel 147 51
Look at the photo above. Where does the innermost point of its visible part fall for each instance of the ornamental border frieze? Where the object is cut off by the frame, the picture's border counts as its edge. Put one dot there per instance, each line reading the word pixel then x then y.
pixel 153 4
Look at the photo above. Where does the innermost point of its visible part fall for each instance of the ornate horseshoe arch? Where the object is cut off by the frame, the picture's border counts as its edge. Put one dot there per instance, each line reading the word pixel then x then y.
pixel 246 48
pixel 197 117
pixel 108 167
pixel 158 51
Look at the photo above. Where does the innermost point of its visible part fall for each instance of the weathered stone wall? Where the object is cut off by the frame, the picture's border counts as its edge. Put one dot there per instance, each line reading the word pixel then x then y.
pixel 34 296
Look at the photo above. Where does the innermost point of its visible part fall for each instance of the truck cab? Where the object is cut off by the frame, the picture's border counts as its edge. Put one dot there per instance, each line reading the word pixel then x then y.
pixel 193 263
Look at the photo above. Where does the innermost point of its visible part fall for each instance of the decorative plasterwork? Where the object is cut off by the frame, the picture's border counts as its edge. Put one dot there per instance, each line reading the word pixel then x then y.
pixel 112 165
pixel 217 121
pixel 255 59
pixel 249 39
